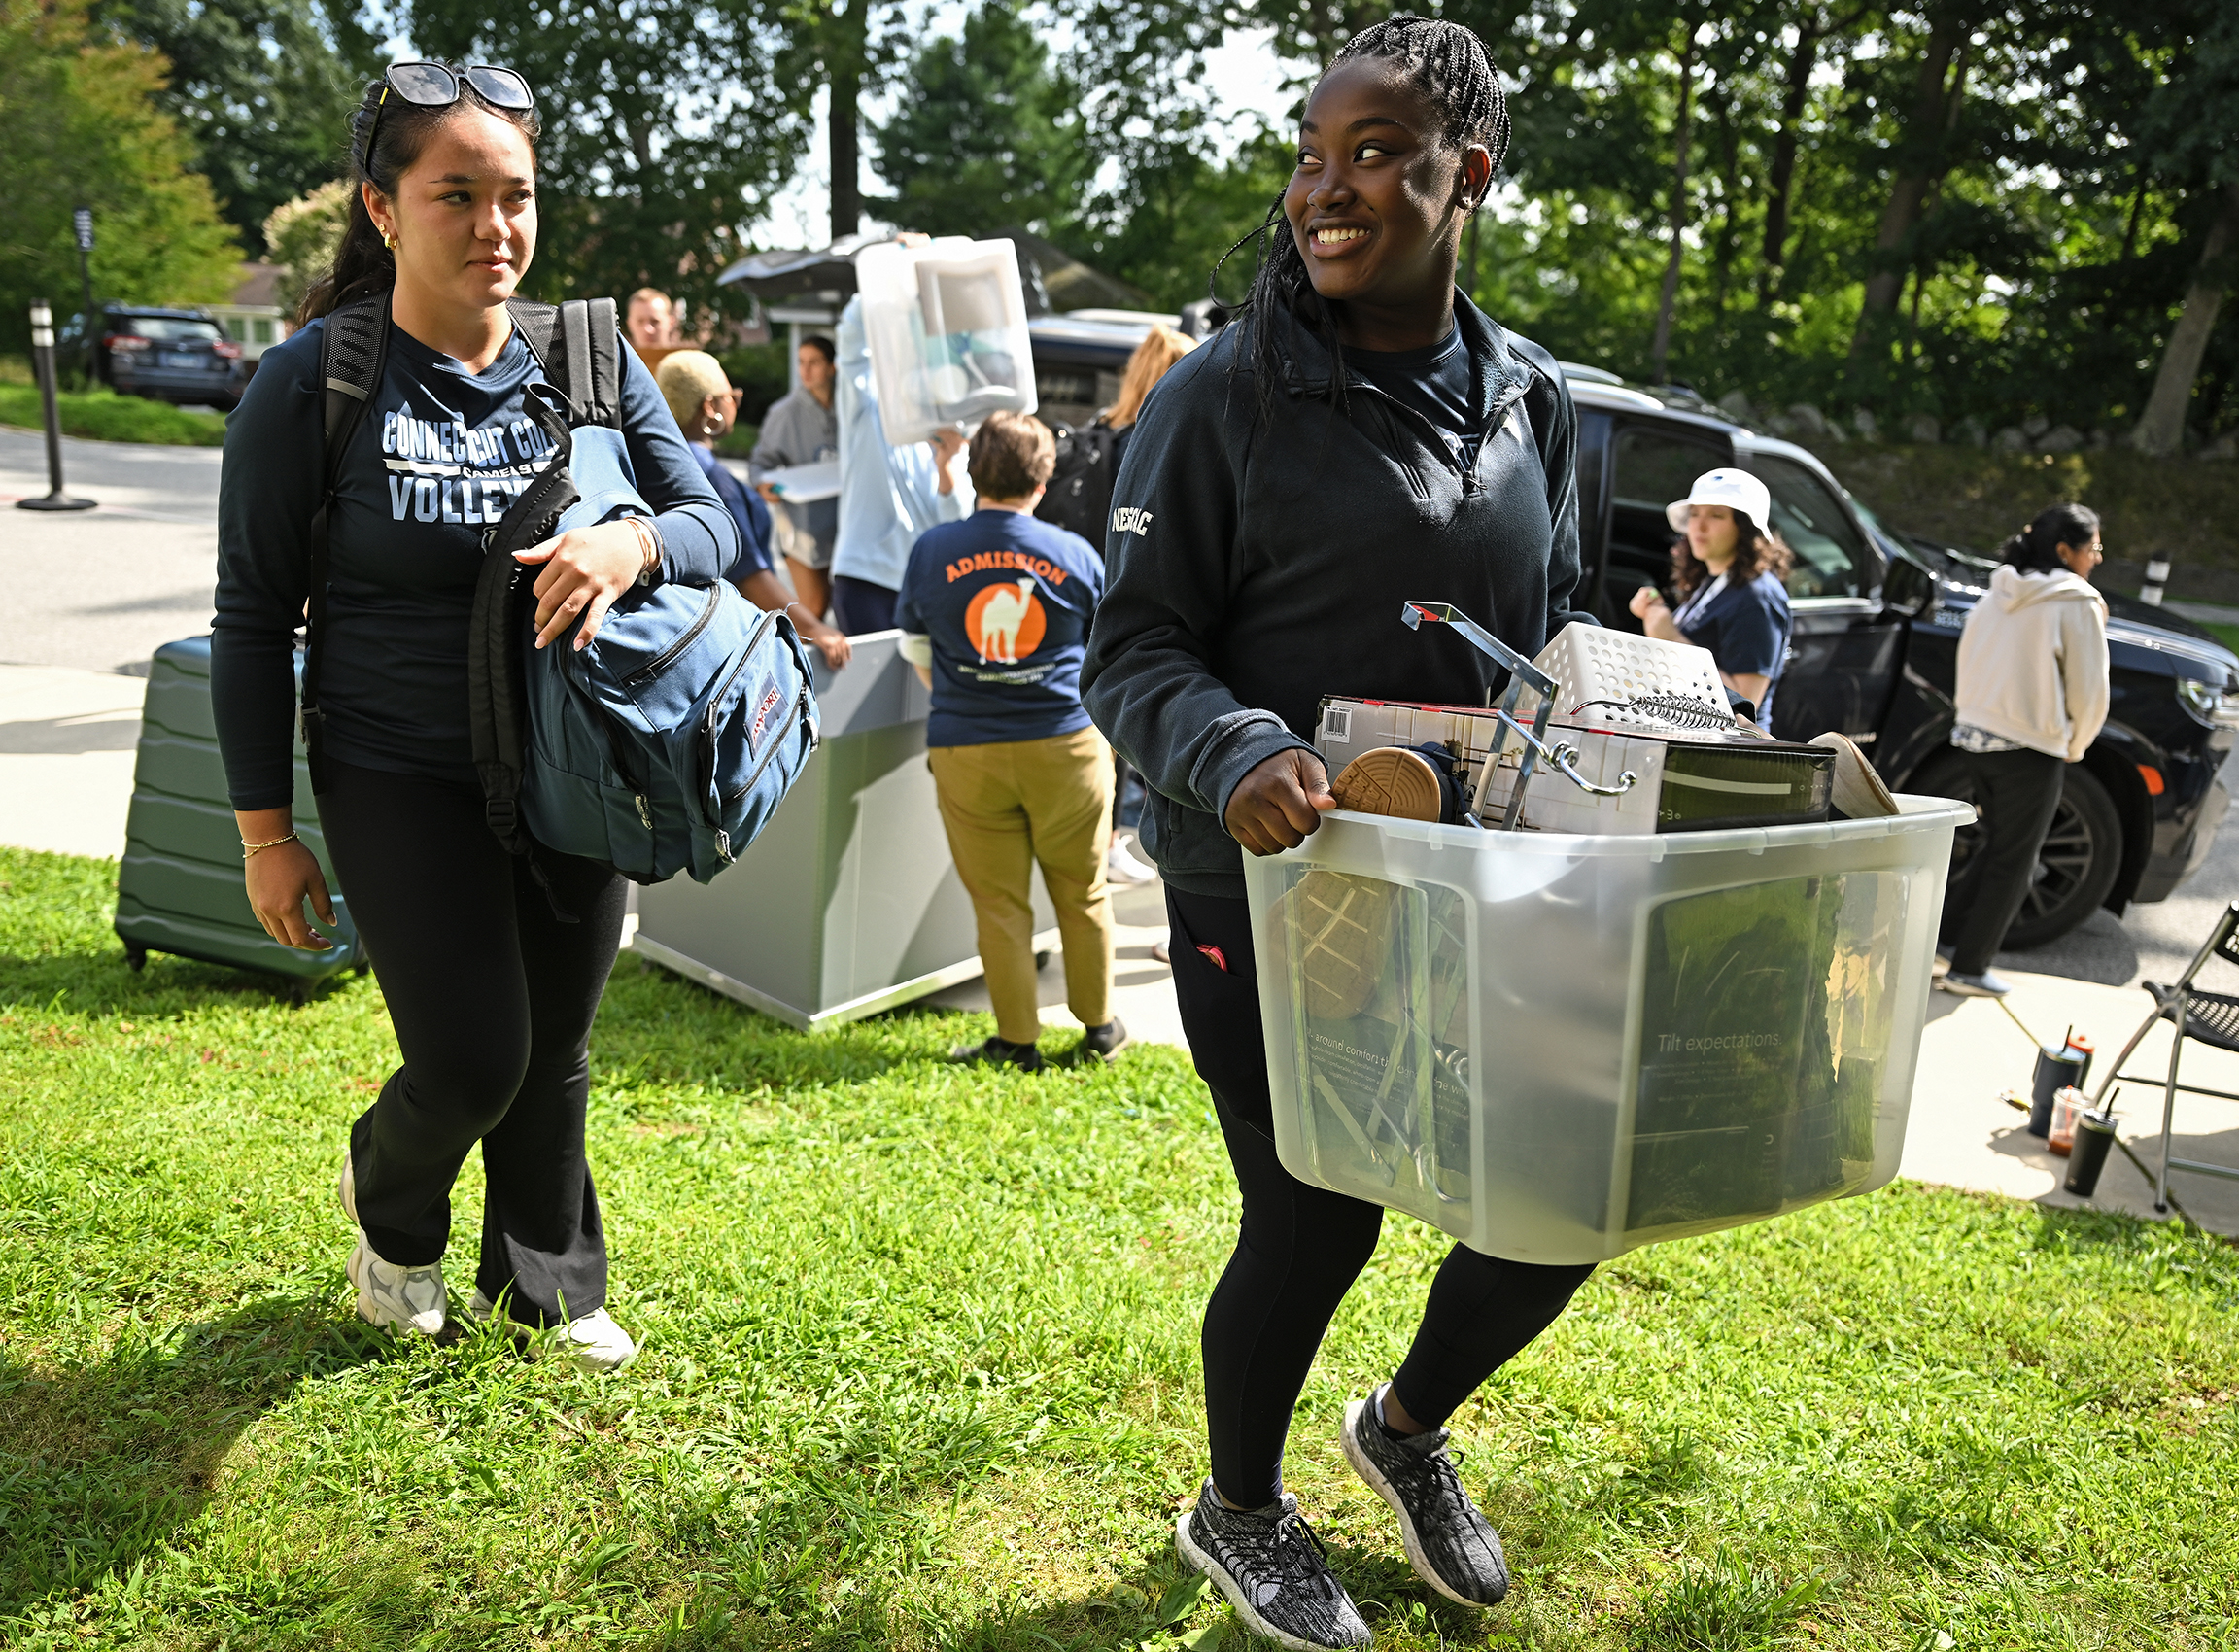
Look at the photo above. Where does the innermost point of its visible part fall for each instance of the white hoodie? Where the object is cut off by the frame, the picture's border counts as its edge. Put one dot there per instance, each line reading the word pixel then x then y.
pixel 2033 662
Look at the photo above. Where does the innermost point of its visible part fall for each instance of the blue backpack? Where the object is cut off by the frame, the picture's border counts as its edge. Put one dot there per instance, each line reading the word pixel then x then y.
pixel 667 743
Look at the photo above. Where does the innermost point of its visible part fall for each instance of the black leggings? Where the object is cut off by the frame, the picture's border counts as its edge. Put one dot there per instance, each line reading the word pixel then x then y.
pixel 2017 792
pixel 1298 1248
pixel 492 997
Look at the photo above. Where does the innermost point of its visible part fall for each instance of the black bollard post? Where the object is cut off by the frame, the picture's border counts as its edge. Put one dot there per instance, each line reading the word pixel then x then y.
pixel 43 357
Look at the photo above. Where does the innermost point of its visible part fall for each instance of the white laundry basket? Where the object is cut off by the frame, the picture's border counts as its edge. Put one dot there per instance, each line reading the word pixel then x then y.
pixel 947 326
pixel 1560 1048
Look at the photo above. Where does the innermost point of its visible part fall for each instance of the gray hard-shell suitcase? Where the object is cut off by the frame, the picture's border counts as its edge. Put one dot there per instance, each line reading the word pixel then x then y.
pixel 179 887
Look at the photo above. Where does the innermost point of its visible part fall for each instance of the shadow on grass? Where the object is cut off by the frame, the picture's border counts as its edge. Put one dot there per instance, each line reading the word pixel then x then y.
pixel 99 1464
pixel 100 981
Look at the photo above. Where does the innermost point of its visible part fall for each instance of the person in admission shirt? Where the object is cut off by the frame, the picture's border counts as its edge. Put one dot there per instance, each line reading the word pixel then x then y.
pixel 994 611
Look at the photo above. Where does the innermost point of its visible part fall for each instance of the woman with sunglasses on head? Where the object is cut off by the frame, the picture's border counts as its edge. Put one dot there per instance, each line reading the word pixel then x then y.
pixel 1361 436
pixel 491 965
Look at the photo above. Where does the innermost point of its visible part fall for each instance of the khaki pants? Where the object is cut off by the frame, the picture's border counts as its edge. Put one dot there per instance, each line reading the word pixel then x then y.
pixel 1008 806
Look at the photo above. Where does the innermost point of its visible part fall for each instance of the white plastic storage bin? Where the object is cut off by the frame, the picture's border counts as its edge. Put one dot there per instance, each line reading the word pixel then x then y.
pixel 947 326
pixel 1560 1048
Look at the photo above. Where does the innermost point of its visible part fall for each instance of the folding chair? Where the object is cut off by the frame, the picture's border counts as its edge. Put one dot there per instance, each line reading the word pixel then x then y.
pixel 2211 1017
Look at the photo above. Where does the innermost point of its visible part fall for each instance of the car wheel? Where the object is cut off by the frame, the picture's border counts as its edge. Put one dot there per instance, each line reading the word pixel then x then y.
pixel 2077 864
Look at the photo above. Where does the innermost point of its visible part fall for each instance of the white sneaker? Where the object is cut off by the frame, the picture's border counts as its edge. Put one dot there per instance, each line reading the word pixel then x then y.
pixel 394 1298
pixel 595 1342
pixel 1121 867
pixel 399 1298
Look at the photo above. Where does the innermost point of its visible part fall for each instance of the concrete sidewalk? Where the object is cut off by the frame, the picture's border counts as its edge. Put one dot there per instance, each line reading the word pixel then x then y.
pixel 66 749
pixel 1961 1135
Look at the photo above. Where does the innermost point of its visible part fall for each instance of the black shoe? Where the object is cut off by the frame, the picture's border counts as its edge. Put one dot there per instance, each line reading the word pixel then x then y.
pixel 1100 1044
pixel 999 1053
pixel 1452 1548
pixel 1270 1566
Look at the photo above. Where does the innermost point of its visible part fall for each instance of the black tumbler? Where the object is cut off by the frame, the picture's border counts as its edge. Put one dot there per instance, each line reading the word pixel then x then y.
pixel 2094 1139
pixel 2056 1069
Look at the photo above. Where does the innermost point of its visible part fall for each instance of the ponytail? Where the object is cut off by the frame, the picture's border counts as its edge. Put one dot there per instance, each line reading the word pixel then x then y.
pixel 2036 549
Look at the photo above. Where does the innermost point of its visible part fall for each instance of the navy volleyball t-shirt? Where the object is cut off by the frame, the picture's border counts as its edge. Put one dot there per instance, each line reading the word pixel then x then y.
pixel 439 455
pixel 1006 599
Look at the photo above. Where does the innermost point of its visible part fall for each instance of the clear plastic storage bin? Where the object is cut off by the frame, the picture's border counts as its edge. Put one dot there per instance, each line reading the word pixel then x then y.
pixel 1559 1048
pixel 947 326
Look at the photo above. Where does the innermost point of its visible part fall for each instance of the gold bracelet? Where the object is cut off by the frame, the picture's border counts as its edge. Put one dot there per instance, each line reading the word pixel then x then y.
pixel 248 850
pixel 648 547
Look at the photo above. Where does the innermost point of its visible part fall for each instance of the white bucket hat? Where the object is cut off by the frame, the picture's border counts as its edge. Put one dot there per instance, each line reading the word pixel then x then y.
pixel 1737 490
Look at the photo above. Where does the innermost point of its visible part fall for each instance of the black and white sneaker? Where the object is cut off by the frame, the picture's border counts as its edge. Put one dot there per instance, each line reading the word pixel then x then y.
pixel 1452 1548
pixel 1271 1568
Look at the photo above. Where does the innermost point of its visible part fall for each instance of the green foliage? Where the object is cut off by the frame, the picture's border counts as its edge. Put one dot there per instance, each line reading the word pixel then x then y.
pixel 105 416
pixel 665 130
pixel 79 127
pixel 1176 214
pixel 983 135
pixel 921 1370
pixel 265 87
pixel 302 235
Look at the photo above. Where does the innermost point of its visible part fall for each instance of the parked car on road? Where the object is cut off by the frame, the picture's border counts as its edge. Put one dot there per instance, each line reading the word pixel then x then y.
pixel 1877 619
pixel 166 355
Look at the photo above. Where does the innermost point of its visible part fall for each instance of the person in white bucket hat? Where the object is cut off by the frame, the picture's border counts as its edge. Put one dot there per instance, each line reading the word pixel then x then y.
pixel 1726 575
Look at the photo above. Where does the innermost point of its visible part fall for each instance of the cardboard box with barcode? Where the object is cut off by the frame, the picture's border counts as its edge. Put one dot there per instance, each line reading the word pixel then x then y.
pixel 1645 737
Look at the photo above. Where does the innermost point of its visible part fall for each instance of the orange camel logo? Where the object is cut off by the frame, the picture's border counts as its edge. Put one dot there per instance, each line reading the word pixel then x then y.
pixel 1005 623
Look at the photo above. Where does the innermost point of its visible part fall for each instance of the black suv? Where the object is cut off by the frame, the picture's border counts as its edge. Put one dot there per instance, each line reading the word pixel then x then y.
pixel 166 355
pixel 1874 654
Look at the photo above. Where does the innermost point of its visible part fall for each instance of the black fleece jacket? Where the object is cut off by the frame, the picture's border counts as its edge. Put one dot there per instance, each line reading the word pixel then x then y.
pixel 1258 565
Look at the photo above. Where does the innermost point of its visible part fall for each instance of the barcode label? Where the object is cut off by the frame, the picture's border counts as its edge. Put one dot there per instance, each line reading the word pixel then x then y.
pixel 1337 724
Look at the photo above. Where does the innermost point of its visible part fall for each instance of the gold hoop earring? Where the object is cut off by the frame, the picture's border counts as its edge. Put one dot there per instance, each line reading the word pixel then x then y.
pixel 388 240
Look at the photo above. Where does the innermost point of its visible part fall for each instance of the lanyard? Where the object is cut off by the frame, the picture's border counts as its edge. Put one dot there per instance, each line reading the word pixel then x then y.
pixel 1697 602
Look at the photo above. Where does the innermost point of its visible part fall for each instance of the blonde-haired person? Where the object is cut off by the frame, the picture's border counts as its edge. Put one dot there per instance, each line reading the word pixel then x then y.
pixel 700 393
pixel 1728 568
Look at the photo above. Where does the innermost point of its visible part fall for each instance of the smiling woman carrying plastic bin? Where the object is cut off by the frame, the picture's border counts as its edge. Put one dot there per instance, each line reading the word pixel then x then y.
pixel 1361 436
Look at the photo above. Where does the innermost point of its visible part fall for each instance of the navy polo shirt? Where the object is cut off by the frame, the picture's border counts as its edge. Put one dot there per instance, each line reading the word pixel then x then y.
pixel 1746 627
pixel 1006 599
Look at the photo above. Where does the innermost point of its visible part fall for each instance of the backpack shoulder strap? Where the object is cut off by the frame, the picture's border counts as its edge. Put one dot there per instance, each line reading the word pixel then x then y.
pixel 592 342
pixel 353 348
pixel 351 351
pixel 579 345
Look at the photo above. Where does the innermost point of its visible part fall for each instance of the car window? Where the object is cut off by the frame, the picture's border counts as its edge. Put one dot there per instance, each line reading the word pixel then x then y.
pixel 1653 469
pixel 1832 558
pixel 171 330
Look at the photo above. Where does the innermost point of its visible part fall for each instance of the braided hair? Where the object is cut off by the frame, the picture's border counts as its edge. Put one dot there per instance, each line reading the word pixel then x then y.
pixel 1446 64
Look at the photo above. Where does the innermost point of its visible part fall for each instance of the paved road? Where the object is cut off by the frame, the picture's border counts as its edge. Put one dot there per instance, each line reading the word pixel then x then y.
pixel 2152 943
pixel 98 590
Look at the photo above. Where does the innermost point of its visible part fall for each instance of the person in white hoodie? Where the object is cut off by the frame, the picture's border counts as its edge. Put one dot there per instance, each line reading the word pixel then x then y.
pixel 2031 698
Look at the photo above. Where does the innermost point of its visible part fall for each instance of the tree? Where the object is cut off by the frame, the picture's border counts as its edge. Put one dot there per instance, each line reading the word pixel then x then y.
pixel 1660 351
pixel 2190 121
pixel 984 134
pixel 302 237
pixel 1920 158
pixel 265 87
pixel 665 131
pixel 79 127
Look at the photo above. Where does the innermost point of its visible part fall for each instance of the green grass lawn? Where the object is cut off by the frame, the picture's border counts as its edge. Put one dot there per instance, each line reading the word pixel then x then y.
pixel 921 1370
pixel 105 416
